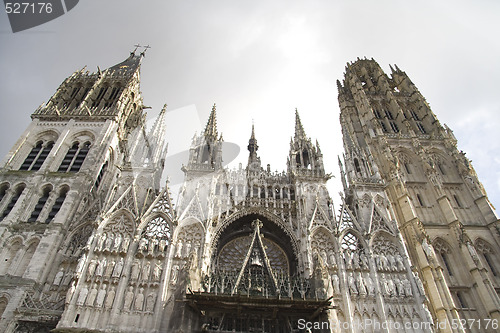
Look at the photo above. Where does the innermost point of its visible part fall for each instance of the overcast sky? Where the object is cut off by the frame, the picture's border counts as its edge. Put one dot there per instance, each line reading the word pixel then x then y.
pixel 259 60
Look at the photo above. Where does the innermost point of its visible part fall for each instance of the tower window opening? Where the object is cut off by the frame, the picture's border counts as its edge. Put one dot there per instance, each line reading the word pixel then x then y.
pixel 356 165
pixel 457 200
pixel 384 128
pixel 3 191
pixel 414 115
pixel 292 194
pixel 39 205
pixel 277 193
pixel 75 91
pixel 34 156
pixel 394 126
pixel 420 201
pixel 490 263
pixel 101 174
pixel 446 262
pixel 57 205
pixel 407 167
pixel 37 164
pixel 263 192
pixel 99 97
pixel 421 128
pixel 12 202
pixel 74 158
pixel 389 115
pixel 377 114
pixel 205 154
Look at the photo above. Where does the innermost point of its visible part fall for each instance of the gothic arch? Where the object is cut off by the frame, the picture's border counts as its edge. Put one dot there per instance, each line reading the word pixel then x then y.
pixel 126 224
pixel 445 251
pixel 30 248
pixel 48 134
pixel 257 211
pixel 10 249
pixel 4 300
pixel 240 225
pixel 489 256
pixel 356 233
pixel 324 244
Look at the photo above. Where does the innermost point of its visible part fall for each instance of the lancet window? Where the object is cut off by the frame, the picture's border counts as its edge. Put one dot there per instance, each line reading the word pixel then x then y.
pixel 75 156
pixel 19 190
pixel 57 204
pixel 37 156
pixel 40 204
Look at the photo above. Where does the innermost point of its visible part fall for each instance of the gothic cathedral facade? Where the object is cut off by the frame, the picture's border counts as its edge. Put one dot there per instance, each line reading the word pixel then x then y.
pixel 90 240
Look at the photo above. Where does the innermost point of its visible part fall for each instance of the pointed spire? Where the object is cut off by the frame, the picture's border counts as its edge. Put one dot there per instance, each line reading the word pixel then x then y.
pixel 156 136
pixel 211 128
pixel 252 148
pixel 299 129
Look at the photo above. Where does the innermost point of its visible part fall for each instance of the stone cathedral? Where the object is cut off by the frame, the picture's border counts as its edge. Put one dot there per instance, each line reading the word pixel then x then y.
pixel 91 241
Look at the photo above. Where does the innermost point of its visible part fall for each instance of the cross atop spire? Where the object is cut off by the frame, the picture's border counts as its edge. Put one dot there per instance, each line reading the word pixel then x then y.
pixel 211 128
pixel 299 129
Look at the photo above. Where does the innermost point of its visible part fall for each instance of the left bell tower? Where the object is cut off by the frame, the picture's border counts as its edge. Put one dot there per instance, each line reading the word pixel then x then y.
pixel 56 180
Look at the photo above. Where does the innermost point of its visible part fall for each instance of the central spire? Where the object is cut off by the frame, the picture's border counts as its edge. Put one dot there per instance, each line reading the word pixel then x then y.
pixel 299 130
pixel 211 128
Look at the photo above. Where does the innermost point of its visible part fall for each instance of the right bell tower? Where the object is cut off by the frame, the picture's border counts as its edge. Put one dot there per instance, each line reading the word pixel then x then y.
pixel 395 144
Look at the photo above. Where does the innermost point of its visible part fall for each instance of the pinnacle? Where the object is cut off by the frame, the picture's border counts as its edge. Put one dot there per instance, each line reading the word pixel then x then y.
pixel 299 129
pixel 211 128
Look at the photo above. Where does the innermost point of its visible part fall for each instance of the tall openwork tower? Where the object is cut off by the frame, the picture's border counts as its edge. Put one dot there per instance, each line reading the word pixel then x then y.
pixel 396 147
pixel 84 167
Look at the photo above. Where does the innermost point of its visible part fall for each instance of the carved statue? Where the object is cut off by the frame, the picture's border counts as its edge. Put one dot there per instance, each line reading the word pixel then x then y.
pixel 407 287
pixel 110 297
pixel 364 261
pixel 100 242
pixel 100 267
pixel 109 268
pixel 81 263
pixel 59 276
pixel 385 285
pixel 91 268
pixel 145 271
pixel 178 252
pixel 136 268
pixel 370 285
pixel 118 268
pixel 100 296
pixel 82 296
pixel 157 272
pixel 163 245
pixel 150 302
pixel 384 263
pixel 125 243
pixel 332 261
pixel 175 274
pixel 355 260
pixel 139 300
pixel 399 263
pixel 109 243
pixel 391 286
pixel 152 244
pixel 117 242
pixel 336 284
pixel 392 262
pixel 352 284
pixel 129 297
pixel 187 249
pixel 92 295
pixel 361 285
pixel 71 292
pixel 143 244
